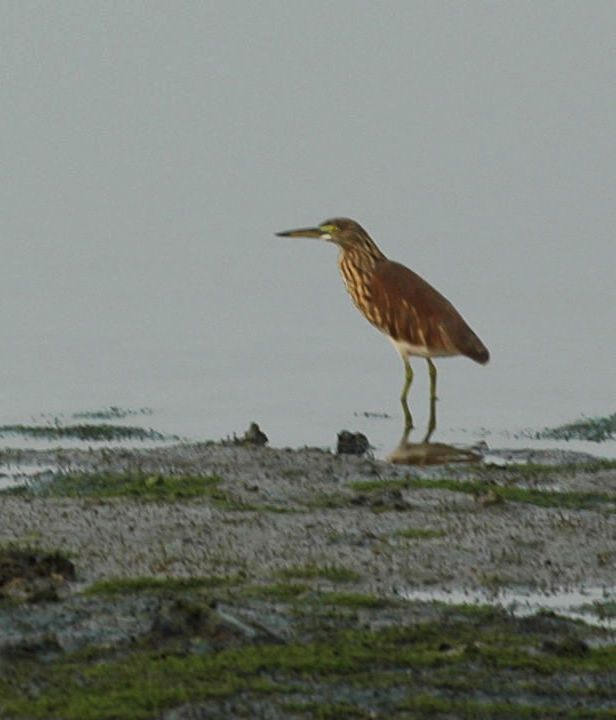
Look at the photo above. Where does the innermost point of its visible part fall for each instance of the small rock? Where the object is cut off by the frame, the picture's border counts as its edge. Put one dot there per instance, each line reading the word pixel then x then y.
pixel 352 443
pixel 254 437
pixel 33 575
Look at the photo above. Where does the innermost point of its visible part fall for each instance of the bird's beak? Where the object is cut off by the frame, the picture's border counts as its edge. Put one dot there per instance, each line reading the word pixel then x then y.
pixel 313 232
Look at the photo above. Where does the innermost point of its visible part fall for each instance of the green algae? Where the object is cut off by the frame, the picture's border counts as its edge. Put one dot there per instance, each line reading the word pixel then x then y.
pixel 603 610
pixel 429 706
pixel 96 432
pixel 412 533
pixel 470 662
pixel 146 682
pixel 285 592
pixel 351 600
pixel 532 496
pixel 145 487
pixel 327 572
pixel 111 413
pixel 124 586
pixel 289 592
pixel 533 470
pixel 137 485
pixel 595 429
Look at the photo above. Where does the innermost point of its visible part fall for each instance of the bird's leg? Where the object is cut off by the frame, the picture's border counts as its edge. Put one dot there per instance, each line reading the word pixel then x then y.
pixel 432 420
pixel 408 418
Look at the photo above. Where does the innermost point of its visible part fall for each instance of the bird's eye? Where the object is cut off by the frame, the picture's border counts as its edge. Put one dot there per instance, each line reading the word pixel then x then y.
pixel 328 228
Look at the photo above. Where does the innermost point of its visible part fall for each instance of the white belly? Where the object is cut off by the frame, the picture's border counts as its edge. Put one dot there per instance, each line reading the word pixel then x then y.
pixel 406 350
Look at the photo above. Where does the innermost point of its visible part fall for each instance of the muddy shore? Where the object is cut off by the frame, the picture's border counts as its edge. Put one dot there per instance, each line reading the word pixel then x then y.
pixel 208 549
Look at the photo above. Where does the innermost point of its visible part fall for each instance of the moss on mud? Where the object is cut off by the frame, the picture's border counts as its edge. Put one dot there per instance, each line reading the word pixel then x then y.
pixel 327 572
pixel 465 663
pixel 305 616
pixel 533 496
pixel 153 584
pixel 596 429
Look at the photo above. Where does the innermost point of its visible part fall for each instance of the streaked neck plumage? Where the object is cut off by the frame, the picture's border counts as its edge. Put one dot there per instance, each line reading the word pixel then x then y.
pixel 357 261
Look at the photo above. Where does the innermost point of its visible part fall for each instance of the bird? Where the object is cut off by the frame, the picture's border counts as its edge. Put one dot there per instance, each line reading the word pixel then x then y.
pixel 397 301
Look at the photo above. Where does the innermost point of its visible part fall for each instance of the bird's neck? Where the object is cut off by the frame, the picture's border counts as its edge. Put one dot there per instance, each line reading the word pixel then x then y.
pixel 356 267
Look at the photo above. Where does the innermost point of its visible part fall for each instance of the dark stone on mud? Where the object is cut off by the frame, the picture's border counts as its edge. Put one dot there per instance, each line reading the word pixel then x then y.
pixel 253 437
pixel 352 443
pixel 32 574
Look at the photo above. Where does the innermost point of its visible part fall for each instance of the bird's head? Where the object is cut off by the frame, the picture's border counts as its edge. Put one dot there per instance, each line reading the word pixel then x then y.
pixel 345 233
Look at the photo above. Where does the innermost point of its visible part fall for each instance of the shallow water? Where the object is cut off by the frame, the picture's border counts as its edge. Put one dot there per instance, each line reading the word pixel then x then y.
pixel 140 266
pixel 382 430
pixel 15 474
pixel 576 604
pixel 379 428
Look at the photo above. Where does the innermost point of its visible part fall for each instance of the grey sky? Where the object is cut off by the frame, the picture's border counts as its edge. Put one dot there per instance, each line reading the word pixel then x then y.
pixel 151 149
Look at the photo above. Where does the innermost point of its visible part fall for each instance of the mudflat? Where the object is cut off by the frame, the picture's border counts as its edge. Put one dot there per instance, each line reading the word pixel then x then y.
pixel 284 583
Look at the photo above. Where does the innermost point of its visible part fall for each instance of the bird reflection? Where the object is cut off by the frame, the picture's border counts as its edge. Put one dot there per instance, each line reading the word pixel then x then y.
pixel 428 453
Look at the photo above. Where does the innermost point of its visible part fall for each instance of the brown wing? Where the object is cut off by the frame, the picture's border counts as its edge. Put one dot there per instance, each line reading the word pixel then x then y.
pixel 410 309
